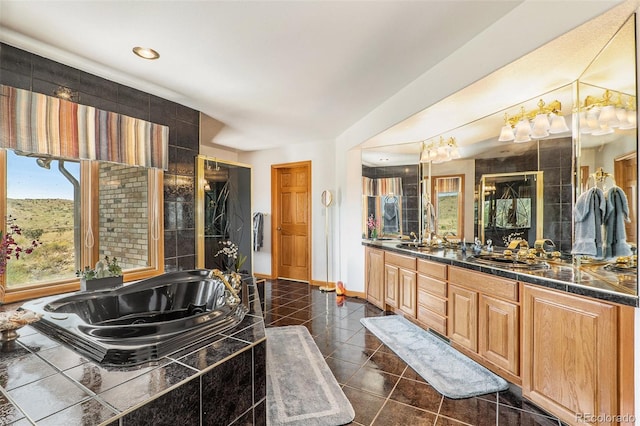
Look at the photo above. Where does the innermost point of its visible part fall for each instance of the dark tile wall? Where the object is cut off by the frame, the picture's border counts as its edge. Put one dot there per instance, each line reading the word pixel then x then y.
pixel 554 158
pixel 410 175
pixel 25 70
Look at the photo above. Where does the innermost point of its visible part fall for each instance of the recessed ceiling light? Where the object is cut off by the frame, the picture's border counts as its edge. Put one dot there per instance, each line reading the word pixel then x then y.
pixel 146 52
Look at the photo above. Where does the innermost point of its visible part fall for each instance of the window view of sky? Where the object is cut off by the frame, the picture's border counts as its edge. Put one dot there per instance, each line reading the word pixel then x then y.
pixel 25 179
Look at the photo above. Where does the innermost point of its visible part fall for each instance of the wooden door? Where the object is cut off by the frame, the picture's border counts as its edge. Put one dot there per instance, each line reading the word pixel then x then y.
pixel 408 292
pixel 626 175
pixel 463 317
pixel 499 333
pixel 569 355
pixel 391 283
pixel 375 276
pixel 291 227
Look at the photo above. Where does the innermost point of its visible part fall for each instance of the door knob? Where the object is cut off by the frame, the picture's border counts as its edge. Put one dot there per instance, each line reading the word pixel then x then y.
pixel 279 228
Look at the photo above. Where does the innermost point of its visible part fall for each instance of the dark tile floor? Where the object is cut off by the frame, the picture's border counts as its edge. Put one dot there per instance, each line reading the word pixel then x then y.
pixel 382 388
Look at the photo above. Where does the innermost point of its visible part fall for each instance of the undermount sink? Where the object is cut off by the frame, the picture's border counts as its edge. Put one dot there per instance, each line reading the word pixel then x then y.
pixel 501 261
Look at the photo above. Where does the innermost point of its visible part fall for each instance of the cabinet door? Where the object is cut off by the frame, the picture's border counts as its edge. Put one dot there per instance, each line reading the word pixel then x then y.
pixel 463 317
pixel 391 282
pixel 499 333
pixel 408 289
pixel 374 273
pixel 569 355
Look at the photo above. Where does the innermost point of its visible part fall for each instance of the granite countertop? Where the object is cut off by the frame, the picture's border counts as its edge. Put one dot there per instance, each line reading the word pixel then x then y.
pixel 591 280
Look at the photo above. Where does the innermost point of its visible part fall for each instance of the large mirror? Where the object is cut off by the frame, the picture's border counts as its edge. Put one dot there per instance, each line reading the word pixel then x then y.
pixel 223 215
pixel 587 152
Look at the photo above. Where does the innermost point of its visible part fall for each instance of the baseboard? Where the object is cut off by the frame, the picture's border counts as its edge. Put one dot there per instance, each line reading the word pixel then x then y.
pixel 358 294
pixel 323 283
pixel 317 283
pixel 264 276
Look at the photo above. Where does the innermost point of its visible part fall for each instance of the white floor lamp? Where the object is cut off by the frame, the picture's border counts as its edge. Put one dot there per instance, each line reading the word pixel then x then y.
pixel 327 199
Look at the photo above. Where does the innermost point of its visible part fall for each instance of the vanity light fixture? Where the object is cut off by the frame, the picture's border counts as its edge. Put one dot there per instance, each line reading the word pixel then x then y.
pixel 146 53
pixel 443 151
pixel 601 116
pixel 536 124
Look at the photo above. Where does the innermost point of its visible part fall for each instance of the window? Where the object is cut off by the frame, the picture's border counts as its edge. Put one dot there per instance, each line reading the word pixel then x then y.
pixel 80 211
pixel 449 205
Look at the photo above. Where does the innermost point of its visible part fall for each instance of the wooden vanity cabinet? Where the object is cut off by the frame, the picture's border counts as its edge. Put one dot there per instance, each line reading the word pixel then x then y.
pixel 570 355
pixel 400 283
pixel 432 295
pixel 375 276
pixel 463 317
pixel 484 319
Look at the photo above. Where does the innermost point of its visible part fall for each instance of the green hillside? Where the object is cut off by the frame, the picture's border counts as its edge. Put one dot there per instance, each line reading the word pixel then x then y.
pixel 51 221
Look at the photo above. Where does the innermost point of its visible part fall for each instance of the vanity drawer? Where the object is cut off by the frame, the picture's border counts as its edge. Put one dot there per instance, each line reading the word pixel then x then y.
pixel 435 287
pixel 432 320
pixel 406 262
pixel 484 283
pixel 433 303
pixel 433 269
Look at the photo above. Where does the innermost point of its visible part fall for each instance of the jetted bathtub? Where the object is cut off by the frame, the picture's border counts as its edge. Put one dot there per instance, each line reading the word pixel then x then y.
pixel 142 321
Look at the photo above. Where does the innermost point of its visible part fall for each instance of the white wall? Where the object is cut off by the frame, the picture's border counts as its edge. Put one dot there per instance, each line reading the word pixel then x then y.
pixel 323 178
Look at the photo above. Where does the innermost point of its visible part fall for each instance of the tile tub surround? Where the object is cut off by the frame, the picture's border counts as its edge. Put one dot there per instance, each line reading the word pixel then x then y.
pixel 218 381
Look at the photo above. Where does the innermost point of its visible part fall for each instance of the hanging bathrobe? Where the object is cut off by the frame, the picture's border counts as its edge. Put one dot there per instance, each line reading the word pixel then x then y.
pixel 391 215
pixel 258 223
pixel 588 215
pixel 429 215
pixel 617 213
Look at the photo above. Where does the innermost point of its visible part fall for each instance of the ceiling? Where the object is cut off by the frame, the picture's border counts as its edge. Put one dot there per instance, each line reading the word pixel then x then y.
pixel 272 72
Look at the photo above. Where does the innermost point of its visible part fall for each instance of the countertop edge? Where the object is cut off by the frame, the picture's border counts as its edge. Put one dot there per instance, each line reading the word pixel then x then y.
pixel 561 285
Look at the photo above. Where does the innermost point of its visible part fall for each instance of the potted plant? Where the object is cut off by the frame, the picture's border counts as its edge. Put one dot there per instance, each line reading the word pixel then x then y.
pixel 106 274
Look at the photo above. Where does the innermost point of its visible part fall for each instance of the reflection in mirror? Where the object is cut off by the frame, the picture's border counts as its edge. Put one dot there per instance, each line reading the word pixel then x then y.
pixel 511 207
pixel 390 200
pixel 223 213
pixel 607 137
pixel 391 213
pixel 599 75
pixel 448 204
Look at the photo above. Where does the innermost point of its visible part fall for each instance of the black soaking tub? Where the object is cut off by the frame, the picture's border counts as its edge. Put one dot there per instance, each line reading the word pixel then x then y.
pixel 143 321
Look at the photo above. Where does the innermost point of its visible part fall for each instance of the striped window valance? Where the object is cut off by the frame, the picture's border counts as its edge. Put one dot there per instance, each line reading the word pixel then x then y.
pixel 448 185
pixel 35 123
pixel 381 186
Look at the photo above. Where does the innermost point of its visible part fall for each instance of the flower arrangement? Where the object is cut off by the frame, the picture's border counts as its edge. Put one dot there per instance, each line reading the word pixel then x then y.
pixel 233 258
pixel 9 247
pixel 108 267
pixel 372 224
